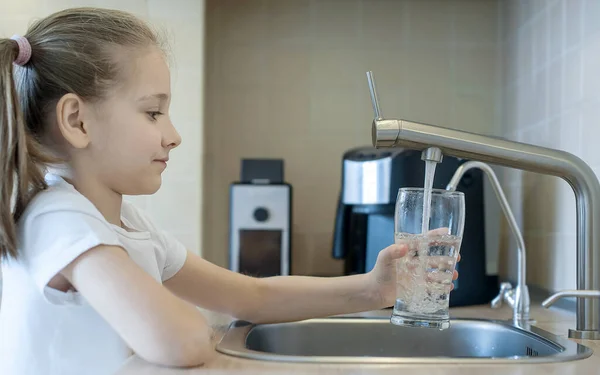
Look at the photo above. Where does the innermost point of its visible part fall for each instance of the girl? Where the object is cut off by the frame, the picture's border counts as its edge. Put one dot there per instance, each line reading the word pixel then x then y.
pixel 88 278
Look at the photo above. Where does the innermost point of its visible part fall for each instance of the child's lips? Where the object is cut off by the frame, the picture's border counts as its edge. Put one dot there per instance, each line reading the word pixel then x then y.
pixel 163 162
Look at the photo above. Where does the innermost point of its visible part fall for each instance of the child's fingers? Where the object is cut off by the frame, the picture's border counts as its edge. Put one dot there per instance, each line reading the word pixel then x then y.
pixel 392 252
pixel 439 231
pixel 398 251
pixel 455 275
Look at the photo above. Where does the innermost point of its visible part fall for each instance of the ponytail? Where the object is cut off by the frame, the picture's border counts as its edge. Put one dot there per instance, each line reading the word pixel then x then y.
pixel 20 154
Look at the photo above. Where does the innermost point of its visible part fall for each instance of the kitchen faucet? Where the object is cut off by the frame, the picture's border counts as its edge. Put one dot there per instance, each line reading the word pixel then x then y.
pixel 393 133
pixel 518 297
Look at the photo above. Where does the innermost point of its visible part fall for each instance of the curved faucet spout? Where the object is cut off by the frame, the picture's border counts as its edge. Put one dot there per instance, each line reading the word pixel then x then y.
pixel 518 298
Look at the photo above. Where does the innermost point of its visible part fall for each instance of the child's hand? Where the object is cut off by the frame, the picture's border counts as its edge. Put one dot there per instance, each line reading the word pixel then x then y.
pixel 382 278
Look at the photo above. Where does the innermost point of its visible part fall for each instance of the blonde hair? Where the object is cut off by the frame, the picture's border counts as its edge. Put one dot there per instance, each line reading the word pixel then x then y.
pixel 73 51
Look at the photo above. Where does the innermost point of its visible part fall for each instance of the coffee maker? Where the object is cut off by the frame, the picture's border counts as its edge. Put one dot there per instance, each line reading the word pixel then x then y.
pixel 364 223
pixel 260 219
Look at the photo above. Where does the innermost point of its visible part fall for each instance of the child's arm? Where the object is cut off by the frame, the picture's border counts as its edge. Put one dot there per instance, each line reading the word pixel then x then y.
pixel 157 325
pixel 285 298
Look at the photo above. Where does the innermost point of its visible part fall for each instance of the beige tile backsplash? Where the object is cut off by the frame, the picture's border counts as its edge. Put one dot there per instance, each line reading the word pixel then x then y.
pixel 551 78
pixel 286 79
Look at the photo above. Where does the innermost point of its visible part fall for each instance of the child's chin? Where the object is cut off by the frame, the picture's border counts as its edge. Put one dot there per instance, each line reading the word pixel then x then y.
pixel 153 186
pixel 148 187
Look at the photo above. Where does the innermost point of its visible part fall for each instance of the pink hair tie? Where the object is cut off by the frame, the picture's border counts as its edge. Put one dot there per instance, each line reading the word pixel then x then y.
pixel 24 50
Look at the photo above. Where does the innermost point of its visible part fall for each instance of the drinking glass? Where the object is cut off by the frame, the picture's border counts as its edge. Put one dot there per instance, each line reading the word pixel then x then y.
pixel 424 274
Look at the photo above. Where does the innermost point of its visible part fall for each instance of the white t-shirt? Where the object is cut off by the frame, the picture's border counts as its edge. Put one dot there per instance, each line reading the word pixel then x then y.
pixel 46 331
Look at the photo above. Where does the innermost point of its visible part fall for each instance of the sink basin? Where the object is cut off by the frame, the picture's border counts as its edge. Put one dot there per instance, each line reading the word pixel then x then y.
pixel 376 340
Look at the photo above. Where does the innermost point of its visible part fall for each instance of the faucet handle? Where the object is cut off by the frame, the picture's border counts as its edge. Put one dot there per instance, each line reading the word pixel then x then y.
pixel 374 98
pixel 580 293
pixel 505 293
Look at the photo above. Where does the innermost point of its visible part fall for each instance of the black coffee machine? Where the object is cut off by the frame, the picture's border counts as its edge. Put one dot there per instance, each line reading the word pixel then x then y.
pixel 364 223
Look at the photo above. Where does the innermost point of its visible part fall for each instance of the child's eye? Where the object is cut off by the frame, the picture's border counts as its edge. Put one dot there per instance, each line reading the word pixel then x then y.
pixel 154 114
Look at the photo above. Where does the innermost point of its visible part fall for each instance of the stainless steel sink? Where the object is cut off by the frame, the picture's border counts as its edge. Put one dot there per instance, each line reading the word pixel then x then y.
pixel 375 340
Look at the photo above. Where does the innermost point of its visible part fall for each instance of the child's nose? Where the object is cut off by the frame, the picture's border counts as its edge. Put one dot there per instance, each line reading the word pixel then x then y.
pixel 171 138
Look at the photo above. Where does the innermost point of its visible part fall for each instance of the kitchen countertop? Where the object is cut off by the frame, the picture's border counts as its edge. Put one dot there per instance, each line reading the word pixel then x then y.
pixel 553 320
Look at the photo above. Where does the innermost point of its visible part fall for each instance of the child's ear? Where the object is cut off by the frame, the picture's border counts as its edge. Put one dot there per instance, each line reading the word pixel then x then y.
pixel 69 117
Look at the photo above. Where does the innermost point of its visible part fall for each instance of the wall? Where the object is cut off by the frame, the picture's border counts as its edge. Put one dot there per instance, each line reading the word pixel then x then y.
pixel 177 206
pixel 551 75
pixel 286 79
